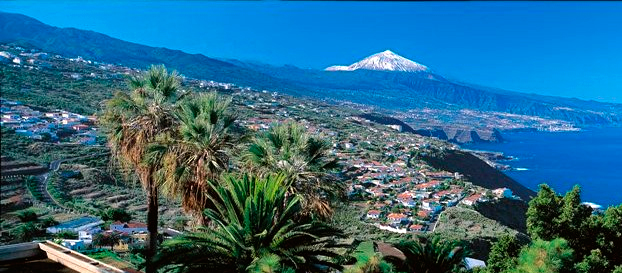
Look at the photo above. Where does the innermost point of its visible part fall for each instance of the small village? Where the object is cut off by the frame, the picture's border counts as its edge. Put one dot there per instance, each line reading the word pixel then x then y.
pixel 380 165
pixel 152 137
pixel 403 194
pixel 93 232
pixel 52 126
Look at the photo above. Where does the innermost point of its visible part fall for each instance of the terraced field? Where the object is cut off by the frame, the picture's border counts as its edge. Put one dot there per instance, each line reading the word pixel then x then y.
pixel 13 193
pixel 95 190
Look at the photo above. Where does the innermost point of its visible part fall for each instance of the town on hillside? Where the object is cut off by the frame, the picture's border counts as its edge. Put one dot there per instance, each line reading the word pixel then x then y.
pixel 381 166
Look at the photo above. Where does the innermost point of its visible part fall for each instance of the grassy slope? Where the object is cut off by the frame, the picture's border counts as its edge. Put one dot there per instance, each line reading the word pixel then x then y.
pixel 476 171
pixel 459 223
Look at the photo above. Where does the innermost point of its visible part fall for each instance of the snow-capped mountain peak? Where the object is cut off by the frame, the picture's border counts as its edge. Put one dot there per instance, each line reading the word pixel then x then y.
pixel 383 61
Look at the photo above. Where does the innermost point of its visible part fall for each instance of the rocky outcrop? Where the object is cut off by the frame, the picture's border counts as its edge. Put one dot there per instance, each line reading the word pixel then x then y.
pixel 452 134
pixel 458 135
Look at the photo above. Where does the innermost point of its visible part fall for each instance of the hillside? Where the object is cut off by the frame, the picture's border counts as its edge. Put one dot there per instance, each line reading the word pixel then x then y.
pixel 404 90
pixel 386 89
pixel 360 147
pixel 27 32
pixel 450 133
pixel 476 171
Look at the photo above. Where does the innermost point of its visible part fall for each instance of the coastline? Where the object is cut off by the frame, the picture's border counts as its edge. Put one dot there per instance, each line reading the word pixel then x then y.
pixel 587 157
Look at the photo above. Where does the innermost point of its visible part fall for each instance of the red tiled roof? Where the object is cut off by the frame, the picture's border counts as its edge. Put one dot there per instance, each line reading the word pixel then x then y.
pixel 373 212
pixel 396 216
pixel 416 227
pixel 404 195
pixel 423 213
pixel 474 197
pixel 131 224
pixel 443 193
pixel 432 183
pixel 136 225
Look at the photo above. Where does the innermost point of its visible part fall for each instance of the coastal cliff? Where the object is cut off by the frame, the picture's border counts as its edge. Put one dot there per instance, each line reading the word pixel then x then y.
pixel 453 134
pixel 462 135
pixel 475 170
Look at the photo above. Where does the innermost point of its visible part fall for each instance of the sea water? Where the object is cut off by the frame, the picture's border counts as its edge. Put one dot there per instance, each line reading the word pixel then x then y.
pixel 591 158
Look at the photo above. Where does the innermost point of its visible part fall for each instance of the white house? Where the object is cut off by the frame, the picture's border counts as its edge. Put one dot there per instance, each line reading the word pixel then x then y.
pixel 471 200
pixel 87 235
pixel 431 204
pixel 373 214
pixel 74 244
pixel 397 218
pixel 503 193
pixel 129 228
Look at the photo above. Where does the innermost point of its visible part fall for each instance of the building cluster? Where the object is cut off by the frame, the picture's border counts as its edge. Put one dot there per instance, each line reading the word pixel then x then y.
pixel 51 126
pixel 33 59
pixel 403 193
pixel 130 234
pixel 483 119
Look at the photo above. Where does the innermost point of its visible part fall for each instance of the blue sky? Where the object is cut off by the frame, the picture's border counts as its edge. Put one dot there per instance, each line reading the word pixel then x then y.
pixel 570 49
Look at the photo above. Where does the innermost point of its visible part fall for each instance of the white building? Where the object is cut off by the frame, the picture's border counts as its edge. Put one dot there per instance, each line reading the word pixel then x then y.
pixel 129 228
pixel 87 235
pixel 373 214
pixel 74 244
pixel 431 205
pixel 503 193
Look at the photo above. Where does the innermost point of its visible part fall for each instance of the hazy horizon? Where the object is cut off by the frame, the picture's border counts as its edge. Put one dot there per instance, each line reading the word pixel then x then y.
pixel 566 49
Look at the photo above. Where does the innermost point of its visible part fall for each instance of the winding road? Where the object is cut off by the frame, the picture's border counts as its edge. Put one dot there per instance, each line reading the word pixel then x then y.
pixel 54 166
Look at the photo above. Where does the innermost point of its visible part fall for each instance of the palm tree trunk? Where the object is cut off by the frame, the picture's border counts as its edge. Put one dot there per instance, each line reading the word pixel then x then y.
pixel 152 224
pixel 201 221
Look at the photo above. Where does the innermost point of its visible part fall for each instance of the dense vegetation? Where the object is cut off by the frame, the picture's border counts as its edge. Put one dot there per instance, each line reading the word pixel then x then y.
pixel 567 237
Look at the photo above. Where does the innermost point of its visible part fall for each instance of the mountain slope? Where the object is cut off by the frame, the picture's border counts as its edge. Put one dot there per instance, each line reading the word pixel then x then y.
pixel 407 90
pixel 385 79
pixel 28 32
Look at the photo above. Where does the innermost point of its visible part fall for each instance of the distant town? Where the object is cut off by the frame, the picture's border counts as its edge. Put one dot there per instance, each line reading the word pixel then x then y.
pixel 52 126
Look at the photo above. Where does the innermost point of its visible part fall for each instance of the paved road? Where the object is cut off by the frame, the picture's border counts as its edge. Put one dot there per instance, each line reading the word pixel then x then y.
pixel 54 166
pixel 43 188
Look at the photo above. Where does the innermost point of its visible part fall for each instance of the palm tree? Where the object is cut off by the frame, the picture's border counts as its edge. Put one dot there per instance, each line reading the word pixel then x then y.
pixel 432 256
pixel 197 153
pixel 287 148
pixel 107 239
pixel 27 216
pixel 133 122
pixel 28 231
pixel 370 264
pixel 254 232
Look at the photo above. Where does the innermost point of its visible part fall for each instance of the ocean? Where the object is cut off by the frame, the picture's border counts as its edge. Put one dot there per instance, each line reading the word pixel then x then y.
pixel 591 158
